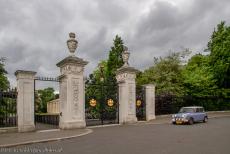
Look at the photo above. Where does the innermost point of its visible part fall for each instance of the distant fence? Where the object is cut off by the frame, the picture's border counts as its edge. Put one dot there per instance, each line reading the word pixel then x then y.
pixel 172 104
pixel 52 119
pixel 8 108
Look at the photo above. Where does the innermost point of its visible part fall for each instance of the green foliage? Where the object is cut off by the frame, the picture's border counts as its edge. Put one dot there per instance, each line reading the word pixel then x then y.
pixel 115 59
pixel 219 58
pixel 107 72
pixel 113 63
pixel 42 97
pixel 7 106
pixel 198 78
pixel 101 84
pixel 4 83
pixel 165 74
pixel 201 76
pixel 110 65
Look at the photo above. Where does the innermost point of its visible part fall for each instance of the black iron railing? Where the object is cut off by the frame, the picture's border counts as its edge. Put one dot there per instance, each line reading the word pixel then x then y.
pixel 52 119
pixel 8 108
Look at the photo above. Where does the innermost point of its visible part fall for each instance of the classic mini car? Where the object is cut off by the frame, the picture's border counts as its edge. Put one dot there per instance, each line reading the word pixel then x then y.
pixel 190 115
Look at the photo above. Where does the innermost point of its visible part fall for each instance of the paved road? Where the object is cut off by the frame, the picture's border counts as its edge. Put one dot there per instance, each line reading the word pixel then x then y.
pixel 210 138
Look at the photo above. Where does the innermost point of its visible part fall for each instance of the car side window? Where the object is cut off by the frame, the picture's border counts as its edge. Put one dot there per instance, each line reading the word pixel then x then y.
pixel 201 109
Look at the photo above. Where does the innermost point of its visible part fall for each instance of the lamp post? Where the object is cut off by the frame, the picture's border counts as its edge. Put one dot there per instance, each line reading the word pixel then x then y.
pixel 101 67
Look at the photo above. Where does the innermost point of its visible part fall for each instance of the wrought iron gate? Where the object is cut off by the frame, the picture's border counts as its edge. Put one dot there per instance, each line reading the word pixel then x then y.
pixel 101 104
pixel 140 104
pixel 8 108
pixel 45 118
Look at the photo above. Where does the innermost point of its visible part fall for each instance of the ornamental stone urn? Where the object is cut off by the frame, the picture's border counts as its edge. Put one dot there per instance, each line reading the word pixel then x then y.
pixel 125 57
pixel 72 43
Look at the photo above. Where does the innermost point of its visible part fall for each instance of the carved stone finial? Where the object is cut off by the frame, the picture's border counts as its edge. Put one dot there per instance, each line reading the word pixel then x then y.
pixel 125 56
pixel 72 43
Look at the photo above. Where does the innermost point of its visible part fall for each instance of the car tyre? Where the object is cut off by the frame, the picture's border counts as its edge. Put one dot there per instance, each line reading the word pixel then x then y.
pixel 173 123
pixel 190 121
pixel 205 119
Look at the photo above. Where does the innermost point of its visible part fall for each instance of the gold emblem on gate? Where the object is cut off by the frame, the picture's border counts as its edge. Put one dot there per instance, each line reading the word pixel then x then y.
pixel 110 102
pixel 93 102
pixel 138 103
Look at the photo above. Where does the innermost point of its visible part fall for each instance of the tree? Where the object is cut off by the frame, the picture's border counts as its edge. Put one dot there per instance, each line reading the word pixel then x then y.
pixel 165 74
pixel 198 78
pixel 104 89
pixel 219 58
pixel 115 59
pixel 108 71
pixel 45 96
pixel 4 83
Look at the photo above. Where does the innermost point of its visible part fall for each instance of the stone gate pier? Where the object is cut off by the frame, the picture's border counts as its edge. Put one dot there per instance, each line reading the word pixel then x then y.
pixel 150 101
pixel 25 100
pixel 126 76
pixel 72 89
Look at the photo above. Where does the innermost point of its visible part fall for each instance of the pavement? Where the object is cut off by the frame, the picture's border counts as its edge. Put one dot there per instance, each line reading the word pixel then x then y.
pixel 40 136
pixel 16 139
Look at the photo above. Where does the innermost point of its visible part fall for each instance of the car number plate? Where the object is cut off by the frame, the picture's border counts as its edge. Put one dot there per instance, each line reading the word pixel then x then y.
pixel 178 122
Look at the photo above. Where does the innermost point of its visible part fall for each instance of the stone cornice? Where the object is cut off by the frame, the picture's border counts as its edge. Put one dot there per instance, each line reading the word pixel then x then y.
pixel 149 85
pixel 72 60
pixel 127 69
pixel 25 72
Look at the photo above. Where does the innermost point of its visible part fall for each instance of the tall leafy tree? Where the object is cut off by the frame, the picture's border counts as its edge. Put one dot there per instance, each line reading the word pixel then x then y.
pixel 115 59
pixel 4 83
pixel 198 78
pixel 101 83
pixel 45 96
pixel 219 58
pixel 166 74
pixel 113 63
pixel 110 65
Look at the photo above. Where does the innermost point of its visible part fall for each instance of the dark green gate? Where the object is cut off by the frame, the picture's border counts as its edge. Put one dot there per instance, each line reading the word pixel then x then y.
pixel 140 104
pixel 101 105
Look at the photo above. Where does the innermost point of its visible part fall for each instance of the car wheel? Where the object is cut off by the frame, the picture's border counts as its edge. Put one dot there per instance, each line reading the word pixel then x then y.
pixel 190 121
pixel 173 123
pixel 205 119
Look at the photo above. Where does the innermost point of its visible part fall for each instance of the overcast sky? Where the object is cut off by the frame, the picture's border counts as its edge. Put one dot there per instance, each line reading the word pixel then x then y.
pixel 33 34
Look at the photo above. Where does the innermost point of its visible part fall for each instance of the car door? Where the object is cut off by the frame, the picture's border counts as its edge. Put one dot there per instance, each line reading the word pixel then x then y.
pixel 200 114
pixel 196 115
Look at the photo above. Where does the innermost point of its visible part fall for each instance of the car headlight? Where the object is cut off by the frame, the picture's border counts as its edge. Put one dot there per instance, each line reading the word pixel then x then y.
pixel 173 116
pixel 183 115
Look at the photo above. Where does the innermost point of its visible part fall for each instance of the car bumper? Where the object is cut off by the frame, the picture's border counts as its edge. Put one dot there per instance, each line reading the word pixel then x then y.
pixel 179 120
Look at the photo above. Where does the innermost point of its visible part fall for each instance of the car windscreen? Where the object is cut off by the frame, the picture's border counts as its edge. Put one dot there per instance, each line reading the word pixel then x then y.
pixel 187 110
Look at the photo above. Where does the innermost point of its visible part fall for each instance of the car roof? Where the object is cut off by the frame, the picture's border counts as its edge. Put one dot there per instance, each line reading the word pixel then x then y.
pixel 193 107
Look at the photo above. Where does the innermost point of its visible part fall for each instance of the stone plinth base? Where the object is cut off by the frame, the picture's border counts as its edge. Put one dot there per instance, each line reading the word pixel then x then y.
pixel 150 117
pixel 26 128
pixel 129 120
pixel 72 125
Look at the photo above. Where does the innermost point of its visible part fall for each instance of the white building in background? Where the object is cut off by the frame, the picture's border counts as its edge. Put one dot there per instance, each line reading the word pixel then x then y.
pixel 53 106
